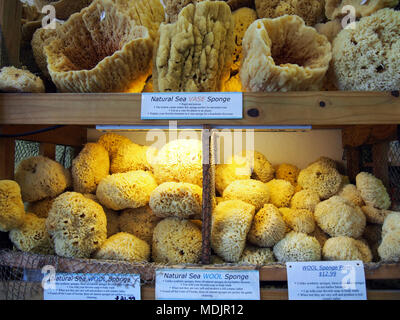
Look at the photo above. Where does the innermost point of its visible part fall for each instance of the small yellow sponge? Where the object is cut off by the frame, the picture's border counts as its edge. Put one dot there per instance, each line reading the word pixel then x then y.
pixel 12 211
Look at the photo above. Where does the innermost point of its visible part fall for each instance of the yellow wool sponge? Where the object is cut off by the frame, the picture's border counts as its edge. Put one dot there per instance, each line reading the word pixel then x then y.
pixel 339 217
pixel 231 222
pixel 126 190
pixel 180 161
pixel 268 227
pixel 40 177
pixel 40 208
pixel 12 209
pixel 391 224
pixel 351 193
pixel 139 221
pixel 124 246
pixel 260 166
pixel 251 191
pixel 90 166
pixel 178 199
pixel 364 58
pixel 176 241
pixel 299 220
pixel 243 18
pixel 281 192
pixel 305 199
pixel 236 168
pixel 18 80
pixel 131 157
pixel 326 161
pixel 288 172
pixel 32 236
pixel 112 142
pixel 389 249
pixel 195 53
pixel 345 248
pixel 334 8
pixel 267 64
pixel 372 191
pixel 312 11
pixel 77 225
pixel 256 256
pixel 375 215
pixel 81 58
pixel 296 246
pixel 320 178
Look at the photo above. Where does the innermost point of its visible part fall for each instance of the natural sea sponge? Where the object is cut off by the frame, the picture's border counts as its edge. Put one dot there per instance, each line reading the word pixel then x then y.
pixel 243 18
pixel 305 199
pixel 180 161
pixel 329 29
pixel 261 168
pixel 40 208
pixel 296 246
pixel 351 193
pixel 320 178
pixel 268 227
pixel 256 256
pixel 90 166
pixel 112 142
pixel 236 168
pixel 195 53
pixel 124 246
pixel 339 217
pixel 32 236
pixel 176 241
pixel 389 249
pixel 299 220
pixel 40 177
pixel 375 215
pixel 131 157
pixel 281 192
pixel 288 172
pixel 231 222
pixel 334 8
pixel 139 221
pixel 126 190
pixel 267 64
pixel 19 80
pixel 63 8
pixel 83 59
pixel 251 191
pixel 372 191
pixel 311 11
pixel 12 211
pixel 178 199
pixel 345 248
pixel 391 224
pixel 365 58
pixel 77 225
pixel 326 161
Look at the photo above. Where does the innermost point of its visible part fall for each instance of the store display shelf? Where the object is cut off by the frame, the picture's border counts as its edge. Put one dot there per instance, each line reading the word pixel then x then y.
pixel 291 108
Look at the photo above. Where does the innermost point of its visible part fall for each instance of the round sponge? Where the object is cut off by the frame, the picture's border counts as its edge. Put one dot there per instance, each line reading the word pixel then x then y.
pixel 305 199
pixel 299 220
pixel 12 211
pixel 124 247
pixel 179 199
pixel 176 241
pixel 372 191
pixel 281 192
pixel 391 223
pixel 351 193
pixel 40 177
pixel 268 227
pixel 251 191
pixel 261 168
pixel 345 248
pixel 389 249
pixel 131 157
pixel 256 255
pixel 112 142
pixel 288 172
pixel 296 246
pixel 126 190
pixel 40 208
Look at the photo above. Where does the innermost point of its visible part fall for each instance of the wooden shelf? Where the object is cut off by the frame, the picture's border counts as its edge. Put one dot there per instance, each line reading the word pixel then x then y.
pixel 293 108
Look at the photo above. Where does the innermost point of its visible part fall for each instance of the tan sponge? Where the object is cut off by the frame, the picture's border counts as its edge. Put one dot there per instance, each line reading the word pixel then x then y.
pixel 12 210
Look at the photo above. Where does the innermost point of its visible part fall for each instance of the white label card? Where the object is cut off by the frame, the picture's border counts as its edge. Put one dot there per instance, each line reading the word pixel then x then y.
pixel 203 284
pixel 326 280
pixel 192 105
pixel 94 286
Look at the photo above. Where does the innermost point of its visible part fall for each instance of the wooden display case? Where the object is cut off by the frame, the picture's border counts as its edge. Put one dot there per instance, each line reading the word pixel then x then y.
pixel 364 118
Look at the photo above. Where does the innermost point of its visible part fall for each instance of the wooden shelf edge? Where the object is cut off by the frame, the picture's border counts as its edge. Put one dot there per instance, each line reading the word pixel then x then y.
pixel 293 108
pixel 273 272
